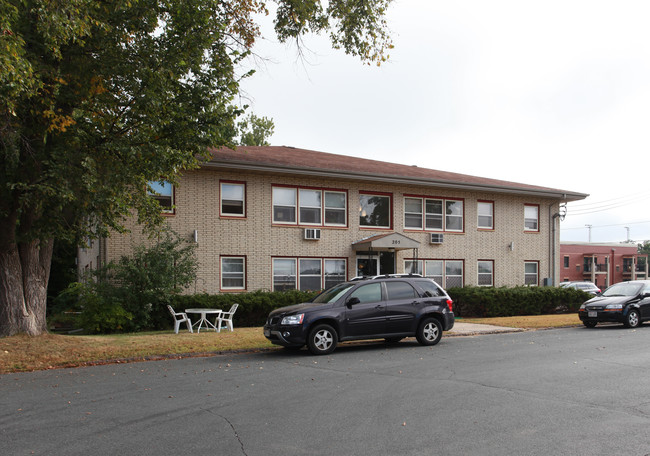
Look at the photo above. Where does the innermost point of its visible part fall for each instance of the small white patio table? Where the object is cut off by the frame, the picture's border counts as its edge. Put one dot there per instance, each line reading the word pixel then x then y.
pixel 204 313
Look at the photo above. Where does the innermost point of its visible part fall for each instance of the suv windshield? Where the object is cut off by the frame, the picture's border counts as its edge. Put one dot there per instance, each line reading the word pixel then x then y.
pixel 623 289
pixel 334 293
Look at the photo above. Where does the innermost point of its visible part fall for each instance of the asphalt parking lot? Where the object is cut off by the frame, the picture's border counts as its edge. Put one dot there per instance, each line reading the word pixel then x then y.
pixel 565 391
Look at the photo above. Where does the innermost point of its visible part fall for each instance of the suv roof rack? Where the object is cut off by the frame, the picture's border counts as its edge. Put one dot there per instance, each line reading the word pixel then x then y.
pixel 384 276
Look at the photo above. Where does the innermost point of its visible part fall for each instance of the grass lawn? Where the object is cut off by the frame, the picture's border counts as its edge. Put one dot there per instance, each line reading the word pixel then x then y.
pixel 50 351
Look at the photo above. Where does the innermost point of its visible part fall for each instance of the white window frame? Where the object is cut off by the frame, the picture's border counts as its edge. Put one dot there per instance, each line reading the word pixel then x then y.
pixel 292 274
pixel 302 275
pixel 408 267
pixel 234 275
pixel 529 220
pixel 243 199
pixel 294 205
pixel 315 209
pixel 429 221
pixel 485 268
pixel 331 209
pixel 485 205
pixel 527 274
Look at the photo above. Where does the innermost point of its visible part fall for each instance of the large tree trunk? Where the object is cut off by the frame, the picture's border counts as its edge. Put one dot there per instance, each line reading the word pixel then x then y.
pixel 24 273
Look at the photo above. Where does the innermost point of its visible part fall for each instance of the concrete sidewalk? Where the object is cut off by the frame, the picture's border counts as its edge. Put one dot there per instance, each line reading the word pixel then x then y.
pixel 473 329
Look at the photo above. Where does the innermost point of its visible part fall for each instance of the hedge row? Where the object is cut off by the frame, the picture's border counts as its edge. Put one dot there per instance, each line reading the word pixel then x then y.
pixel 506 302
pixel 253 308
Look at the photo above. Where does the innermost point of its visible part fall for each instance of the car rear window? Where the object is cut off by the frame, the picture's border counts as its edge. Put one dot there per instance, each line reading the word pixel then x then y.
pixel 400 290
pixel 431 287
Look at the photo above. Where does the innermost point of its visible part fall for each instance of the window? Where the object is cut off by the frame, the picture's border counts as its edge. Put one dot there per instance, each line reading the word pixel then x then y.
pixel 485 273
pixel 232 199
pixel 447 273
pixel 413 213
pixel 374 211
pixel 163 192
pixel 531 276
pixel 400 290
pixel 284 274
pixel 310 274
pixel 413 267
pixel 313 273
pixel 531 218
pixel 368 293
pixel 334 272
pixel 566 261
pixel 485 210
pixel 284 205
pixel 433 214
pixel 313 206
pixel 310 206
pixel 335 208
pixel 233 273
pixel 453 274
pixel 454 215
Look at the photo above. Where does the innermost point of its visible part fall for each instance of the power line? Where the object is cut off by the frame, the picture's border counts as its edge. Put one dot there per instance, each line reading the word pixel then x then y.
pixel 604 226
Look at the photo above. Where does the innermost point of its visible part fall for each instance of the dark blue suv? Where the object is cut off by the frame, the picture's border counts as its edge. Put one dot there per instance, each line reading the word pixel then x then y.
pixel 388 308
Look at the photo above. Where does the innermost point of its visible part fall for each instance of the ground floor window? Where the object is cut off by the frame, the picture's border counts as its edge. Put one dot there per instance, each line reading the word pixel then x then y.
pixel 308 274
pixel 233 273
pixel 531 273
pixel 485 273
pixel 446 273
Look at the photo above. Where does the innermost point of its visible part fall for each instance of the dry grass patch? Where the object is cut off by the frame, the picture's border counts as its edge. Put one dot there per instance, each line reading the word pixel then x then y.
pixel 24 353
pixel 530 321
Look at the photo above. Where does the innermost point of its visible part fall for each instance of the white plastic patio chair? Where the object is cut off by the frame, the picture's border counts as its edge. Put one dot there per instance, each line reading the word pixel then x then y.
pixel 226 318
pixel 180 317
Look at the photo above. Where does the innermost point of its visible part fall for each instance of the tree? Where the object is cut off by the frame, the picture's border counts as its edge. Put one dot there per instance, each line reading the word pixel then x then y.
pixel 255 131
pixel 97 99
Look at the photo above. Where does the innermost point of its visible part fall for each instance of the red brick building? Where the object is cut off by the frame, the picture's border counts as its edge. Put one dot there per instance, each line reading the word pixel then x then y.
pixel 603 264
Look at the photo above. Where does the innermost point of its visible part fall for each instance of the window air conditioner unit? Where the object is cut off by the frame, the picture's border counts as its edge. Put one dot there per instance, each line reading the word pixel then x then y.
pixel 436 238
pixel 312 234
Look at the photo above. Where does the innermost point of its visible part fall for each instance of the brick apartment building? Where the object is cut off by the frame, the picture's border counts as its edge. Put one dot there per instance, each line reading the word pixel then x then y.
pixel 602 263
pixel 277 218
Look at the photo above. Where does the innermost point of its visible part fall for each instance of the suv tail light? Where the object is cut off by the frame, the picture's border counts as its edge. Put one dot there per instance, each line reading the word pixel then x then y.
pixel 450 303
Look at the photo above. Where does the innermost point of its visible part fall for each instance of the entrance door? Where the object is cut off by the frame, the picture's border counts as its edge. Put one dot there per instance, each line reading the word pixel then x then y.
pixel 370 265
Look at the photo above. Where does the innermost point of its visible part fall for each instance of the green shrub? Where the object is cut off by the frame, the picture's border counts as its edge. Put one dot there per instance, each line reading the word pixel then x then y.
pixel 506 302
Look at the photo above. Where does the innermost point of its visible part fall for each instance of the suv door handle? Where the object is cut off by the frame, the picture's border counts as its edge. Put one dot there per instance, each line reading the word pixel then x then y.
pixel 378 306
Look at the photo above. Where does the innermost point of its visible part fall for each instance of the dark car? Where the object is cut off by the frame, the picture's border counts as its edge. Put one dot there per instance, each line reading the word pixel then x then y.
pixel 388 308
pixel 625 302
pixel 587 287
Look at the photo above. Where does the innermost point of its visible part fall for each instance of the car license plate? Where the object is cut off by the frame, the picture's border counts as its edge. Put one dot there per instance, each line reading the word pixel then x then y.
pixel 267 332
pixel 592 314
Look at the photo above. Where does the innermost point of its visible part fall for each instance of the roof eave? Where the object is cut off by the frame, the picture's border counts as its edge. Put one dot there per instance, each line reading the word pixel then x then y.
pixel 427 182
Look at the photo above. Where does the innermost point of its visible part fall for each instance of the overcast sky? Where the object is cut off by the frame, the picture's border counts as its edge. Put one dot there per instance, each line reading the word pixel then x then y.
pixel 552 93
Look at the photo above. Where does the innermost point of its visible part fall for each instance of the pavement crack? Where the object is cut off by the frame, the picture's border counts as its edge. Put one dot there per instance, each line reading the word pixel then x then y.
pixel 241 444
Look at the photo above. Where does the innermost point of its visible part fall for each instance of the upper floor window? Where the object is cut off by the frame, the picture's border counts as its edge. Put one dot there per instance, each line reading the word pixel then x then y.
pixel 233 199
pixel 312 206
pixel 284 205
pixel 163 192
pixel 531 217
pixel 433 214
pixel 375 210
pixel 485 210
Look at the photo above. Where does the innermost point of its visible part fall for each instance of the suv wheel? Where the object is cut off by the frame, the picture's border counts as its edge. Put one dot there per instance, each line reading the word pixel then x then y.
pixel 632 320
pixel 322 340
pixel 429 332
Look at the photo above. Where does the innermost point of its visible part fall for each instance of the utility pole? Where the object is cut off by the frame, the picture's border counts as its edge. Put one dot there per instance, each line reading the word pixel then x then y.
pixel 589 228
pixel 627 228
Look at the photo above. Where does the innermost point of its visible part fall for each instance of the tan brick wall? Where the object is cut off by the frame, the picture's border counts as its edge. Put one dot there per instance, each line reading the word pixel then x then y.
pixel 256 238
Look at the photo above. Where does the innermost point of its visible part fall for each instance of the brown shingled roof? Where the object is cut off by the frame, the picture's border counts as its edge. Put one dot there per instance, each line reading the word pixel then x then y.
pixel 280 158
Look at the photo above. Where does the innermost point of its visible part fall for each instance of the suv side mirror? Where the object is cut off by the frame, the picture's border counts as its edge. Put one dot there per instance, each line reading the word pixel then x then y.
pixel 352 301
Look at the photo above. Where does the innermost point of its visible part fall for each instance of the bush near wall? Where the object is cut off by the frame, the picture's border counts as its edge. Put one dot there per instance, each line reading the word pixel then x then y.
pixel 253 308
pixel 485 302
